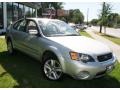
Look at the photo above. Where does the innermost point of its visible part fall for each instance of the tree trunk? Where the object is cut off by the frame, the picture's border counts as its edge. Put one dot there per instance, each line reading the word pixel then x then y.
pixel 104 29
pixel 100 28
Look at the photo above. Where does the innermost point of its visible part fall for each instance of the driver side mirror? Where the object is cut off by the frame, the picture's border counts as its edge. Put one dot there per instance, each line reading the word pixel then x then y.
pixel 33 32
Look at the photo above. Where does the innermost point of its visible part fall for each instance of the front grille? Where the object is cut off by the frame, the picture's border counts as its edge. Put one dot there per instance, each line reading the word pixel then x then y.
pixel 104 57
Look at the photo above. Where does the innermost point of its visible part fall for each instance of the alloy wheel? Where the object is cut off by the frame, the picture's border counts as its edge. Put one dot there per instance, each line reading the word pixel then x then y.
pixel 52 69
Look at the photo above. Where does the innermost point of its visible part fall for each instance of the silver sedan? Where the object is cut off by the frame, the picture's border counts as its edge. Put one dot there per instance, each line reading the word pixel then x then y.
pixel 60 49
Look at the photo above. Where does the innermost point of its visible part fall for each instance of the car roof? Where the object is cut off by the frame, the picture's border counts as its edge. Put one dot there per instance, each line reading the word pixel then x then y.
pixel 44 20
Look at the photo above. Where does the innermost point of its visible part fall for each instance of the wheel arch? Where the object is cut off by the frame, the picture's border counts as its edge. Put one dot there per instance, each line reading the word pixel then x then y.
pixel 57 54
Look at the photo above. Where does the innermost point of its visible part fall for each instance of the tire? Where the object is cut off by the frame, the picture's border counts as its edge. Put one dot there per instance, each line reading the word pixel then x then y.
pixel 51 68
pixel 10 47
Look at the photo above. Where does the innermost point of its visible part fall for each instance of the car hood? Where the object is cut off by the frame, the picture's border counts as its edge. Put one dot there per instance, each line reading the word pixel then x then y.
pixel 81 44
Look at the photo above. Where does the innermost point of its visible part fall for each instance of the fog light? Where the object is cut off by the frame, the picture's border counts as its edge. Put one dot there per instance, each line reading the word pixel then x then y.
pixel 83 75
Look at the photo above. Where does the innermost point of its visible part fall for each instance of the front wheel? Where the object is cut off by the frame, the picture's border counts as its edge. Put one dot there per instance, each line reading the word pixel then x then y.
pixel 52 69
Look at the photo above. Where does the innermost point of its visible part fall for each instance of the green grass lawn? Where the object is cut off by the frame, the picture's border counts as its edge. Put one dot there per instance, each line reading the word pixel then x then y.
pixel 112 38
pixel 84 33
pixel 20 70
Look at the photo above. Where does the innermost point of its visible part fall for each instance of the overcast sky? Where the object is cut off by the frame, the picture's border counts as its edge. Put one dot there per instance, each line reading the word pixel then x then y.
pixel 94 8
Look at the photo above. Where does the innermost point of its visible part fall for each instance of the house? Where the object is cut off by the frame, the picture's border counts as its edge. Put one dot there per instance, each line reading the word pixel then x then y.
pixel 12 11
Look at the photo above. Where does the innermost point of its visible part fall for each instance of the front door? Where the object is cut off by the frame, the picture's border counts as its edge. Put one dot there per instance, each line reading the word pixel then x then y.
pixel 32 42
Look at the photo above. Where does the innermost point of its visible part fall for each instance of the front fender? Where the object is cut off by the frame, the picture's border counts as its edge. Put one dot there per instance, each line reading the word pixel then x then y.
pixel 59 55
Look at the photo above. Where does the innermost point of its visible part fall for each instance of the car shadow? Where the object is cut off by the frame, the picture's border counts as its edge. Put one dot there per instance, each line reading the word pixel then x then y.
pixel 27 73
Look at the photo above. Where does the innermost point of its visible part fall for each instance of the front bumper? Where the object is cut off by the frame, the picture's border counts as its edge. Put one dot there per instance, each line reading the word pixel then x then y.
pixel 80 70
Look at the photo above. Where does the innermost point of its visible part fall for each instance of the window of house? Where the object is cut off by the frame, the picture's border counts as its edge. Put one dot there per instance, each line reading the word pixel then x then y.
pixel 21 11
pixel 30 12
pixel 33 12
pixel 15 11
pixel 27 11
pixel 9 13
pixel 1 15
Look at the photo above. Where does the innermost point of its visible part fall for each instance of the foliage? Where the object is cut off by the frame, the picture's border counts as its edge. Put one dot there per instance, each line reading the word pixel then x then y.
pixel 106 10
pixel 75 16
pixel 112 19
pixel 103 16
pixel 94 21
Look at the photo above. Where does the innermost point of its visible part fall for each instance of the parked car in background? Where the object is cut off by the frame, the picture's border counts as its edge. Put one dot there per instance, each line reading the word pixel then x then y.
pixel 85 26
pixel 60 49
pixel 74 26
pixel 89 25
pixel 81 26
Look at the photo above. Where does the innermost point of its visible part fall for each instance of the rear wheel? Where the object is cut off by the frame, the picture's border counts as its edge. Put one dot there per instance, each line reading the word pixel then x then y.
pixel 52 68
pixel 10 47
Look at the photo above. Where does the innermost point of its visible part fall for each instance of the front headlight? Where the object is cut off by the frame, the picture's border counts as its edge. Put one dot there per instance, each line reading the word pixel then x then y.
pixel 85 58
pixel 81 57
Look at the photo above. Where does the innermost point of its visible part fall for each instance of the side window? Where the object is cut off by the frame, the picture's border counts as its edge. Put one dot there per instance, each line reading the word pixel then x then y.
pixel 15 26
pixel 31 26
pixel 22 26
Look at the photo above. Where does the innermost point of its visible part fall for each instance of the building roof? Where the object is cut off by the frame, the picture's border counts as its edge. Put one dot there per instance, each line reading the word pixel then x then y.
pixel 36 5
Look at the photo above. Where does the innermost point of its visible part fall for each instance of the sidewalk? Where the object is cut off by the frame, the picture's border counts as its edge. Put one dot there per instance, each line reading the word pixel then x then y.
pixel 114 47
pixel 110 31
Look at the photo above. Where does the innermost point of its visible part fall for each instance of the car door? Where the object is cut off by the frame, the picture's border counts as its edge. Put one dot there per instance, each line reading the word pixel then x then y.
pixel 32 42
pixel 19 34
pixel 14 33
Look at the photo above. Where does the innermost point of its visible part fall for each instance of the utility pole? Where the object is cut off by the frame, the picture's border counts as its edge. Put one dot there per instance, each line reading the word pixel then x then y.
pixel 87 15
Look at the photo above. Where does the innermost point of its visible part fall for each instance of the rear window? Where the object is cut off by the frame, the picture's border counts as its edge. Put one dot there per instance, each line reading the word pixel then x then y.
pixel 15 26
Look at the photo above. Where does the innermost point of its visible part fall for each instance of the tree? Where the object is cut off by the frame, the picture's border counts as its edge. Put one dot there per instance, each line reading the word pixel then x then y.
pixel 44 5
pixel 112 19
pixel 118 20
pixel 69 18
pixel 75 16
pixel 56 6
pixel 106 10
pixel 94 21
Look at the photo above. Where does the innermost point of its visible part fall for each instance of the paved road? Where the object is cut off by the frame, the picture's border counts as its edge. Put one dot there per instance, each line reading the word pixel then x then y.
pixel 114 47
pixel 109 31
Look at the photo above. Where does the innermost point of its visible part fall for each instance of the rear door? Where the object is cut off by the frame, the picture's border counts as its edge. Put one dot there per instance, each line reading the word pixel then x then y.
pixel 19 34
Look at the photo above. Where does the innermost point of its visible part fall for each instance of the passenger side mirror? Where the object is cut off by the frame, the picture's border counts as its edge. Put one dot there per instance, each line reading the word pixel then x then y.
pixel 33 32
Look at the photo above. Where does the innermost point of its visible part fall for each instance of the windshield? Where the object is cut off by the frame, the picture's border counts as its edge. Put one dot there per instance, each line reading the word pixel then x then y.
pixel 58 28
